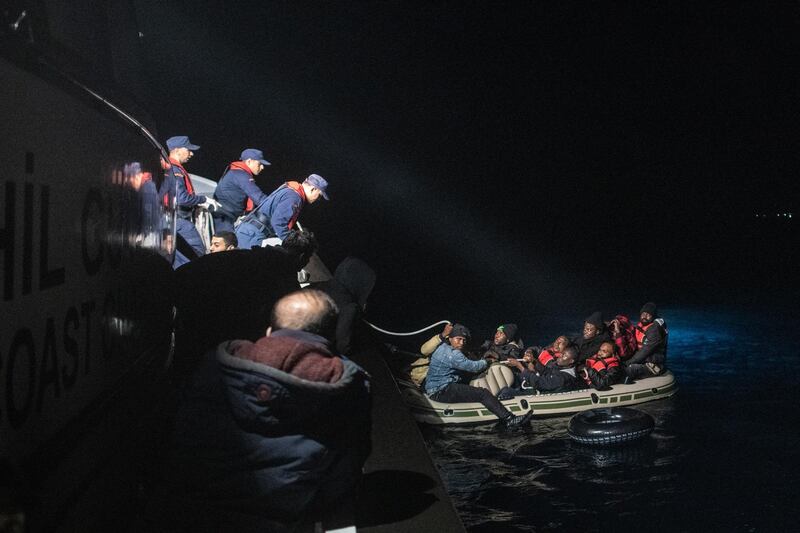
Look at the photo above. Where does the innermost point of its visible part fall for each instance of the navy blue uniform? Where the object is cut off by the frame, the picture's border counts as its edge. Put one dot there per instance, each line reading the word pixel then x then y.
pixel 187 200
pixel 234 188
pixel 275 216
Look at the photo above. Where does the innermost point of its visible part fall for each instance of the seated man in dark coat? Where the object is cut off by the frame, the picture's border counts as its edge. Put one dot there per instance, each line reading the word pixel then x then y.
pixel 350 287
pixel 651 333
pixel 604 368
pixel 594 334
pixel 505 343
pixel 273 432
pixel 558 375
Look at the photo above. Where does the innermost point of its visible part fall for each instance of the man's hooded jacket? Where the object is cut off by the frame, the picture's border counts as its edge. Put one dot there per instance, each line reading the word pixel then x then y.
pixel 270 429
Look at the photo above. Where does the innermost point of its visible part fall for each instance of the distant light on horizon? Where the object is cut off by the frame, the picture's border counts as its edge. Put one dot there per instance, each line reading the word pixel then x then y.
pixel 778 215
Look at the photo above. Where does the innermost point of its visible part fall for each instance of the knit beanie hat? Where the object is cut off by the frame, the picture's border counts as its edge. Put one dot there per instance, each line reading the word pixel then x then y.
pixel 596 319
pixel 459 331
pixel 510 330
pixel 649 307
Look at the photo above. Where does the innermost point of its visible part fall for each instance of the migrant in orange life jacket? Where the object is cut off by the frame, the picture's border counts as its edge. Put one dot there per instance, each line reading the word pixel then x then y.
pixel 599 364
pixel 603 371
pixel 641 329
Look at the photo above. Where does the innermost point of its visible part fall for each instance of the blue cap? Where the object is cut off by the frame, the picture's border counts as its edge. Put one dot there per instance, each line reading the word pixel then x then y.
pixel 181 141
pixel 131 169
pixel 317 181
pixel 256 155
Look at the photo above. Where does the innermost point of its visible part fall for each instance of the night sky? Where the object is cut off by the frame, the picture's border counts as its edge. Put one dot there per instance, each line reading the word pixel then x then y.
pixel 497 161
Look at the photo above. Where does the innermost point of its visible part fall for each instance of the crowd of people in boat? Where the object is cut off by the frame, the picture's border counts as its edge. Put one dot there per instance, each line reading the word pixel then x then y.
pixel 602 355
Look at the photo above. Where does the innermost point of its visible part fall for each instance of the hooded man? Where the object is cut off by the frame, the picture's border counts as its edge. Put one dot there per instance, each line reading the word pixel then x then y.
pixel 594 334
pixel 272 431
pixel 504 345
pixel 350 287
pixel 651 342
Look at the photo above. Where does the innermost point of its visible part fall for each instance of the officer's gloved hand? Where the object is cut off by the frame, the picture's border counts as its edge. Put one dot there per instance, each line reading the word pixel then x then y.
pixel 210 204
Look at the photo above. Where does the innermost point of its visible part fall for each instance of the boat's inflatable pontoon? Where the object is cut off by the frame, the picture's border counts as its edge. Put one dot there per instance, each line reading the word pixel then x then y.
pixel 560 403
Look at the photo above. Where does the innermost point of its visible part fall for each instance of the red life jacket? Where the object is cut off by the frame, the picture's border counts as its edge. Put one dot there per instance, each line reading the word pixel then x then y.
pixel 240 165
pixel 164 167
pixel 547 355
pixel 598 364
pixel 298 188
pixel 186 181
pixel 640 331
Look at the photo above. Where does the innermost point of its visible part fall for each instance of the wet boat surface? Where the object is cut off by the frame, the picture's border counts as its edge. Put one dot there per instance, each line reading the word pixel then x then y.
pixel 402 489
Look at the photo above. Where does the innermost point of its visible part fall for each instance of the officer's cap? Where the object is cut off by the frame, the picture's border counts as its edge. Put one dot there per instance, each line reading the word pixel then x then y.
pixel 317 181
pixel 255 155
pixel 181 141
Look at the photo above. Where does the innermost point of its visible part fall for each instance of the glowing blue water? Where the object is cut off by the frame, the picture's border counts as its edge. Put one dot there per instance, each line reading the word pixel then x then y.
pixel 723 456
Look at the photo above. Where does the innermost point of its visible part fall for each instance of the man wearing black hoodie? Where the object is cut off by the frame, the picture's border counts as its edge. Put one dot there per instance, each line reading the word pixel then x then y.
pixel 350 287
pixel 594 334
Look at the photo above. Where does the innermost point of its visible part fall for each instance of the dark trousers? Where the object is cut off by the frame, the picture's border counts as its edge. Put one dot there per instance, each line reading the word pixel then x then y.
pixel 222 223
pixel 641 371
pixel 458 392
pixel 186 229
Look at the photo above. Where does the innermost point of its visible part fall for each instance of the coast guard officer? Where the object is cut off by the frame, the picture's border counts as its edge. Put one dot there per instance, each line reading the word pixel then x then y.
pixel 237 191
pixel 180 151
pixel 277 214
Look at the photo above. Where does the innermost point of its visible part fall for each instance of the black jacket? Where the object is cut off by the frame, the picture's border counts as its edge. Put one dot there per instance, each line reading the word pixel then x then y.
pixel 552 378
pixel 588 347
pixel 350 287
pixel 654 346
pixel 506 351
pixel 229 295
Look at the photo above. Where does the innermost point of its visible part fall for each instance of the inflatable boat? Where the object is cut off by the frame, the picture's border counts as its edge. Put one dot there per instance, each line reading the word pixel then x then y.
pixel 429 411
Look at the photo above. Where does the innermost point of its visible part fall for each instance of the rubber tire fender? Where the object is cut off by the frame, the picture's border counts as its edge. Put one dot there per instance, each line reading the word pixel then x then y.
pixel 610 425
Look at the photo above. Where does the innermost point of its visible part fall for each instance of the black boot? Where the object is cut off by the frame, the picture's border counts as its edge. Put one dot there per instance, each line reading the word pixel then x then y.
pixel 512 421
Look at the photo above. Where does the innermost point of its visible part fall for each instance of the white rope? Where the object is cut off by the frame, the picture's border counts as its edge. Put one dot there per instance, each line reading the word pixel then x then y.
pixel 373 326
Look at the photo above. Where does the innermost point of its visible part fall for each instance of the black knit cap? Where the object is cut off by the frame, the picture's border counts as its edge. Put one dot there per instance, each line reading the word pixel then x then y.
pixel 510 330
pixel 649 307
pixel 459 331
pixel 596 319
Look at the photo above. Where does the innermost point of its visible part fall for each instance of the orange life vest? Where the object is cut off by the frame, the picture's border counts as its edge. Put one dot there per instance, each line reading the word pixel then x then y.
pixel 186 181
pixel 640 332
pixel 547 355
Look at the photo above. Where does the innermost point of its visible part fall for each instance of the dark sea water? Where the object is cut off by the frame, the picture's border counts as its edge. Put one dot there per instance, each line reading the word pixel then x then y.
pixel 724 456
